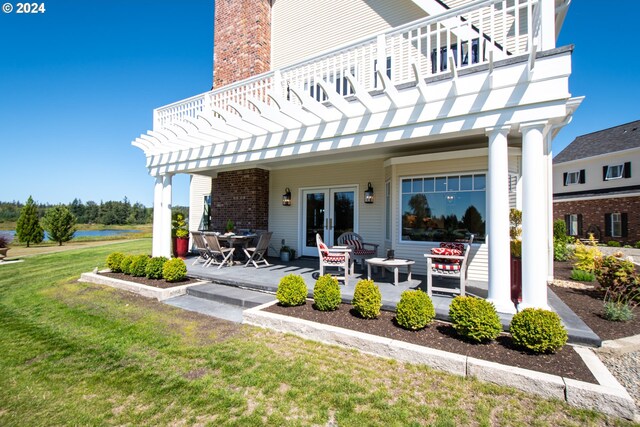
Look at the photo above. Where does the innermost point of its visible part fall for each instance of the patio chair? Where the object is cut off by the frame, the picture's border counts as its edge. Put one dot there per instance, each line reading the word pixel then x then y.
pixel 334 257
pixel 218 252
pixel 448 260
pixel 359 249
pixel 256 255
pixel 201 247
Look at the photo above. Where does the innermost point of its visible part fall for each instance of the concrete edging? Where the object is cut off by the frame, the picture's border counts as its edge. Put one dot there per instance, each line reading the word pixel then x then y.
pixel 143 290
pixel 608 397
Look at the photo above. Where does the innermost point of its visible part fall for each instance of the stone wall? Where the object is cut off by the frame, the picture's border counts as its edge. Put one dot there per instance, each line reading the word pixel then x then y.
pixel 242 40
pixel 593 215
pixel 241 196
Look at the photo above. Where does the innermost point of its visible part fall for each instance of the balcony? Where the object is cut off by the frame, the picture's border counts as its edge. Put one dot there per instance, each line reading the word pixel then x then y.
pixel 478 33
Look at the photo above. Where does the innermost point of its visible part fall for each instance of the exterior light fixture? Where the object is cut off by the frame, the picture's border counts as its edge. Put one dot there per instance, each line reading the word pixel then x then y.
pixel 368 194
pixel 286 197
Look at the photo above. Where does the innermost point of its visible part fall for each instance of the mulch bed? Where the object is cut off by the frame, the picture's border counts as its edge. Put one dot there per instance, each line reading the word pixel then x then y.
pixel 156 283
pixel 587 304
pixel 442 336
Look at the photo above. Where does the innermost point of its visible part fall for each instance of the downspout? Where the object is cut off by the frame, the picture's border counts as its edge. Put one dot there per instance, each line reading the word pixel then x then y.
pixel 553 131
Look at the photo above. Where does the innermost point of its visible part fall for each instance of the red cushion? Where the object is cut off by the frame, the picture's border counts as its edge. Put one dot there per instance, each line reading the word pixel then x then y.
pixel 453 245
pixel 363 252
pixel 333 259
pixel 446 267
pixel 323 249
pixel 355 243
pixel 445 251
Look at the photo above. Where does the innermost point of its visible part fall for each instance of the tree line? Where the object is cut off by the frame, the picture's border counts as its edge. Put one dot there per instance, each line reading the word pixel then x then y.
pixel 107 213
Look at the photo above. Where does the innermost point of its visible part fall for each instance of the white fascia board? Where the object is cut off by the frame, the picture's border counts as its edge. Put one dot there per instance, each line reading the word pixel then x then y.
pixel 598 197
pixel 432 157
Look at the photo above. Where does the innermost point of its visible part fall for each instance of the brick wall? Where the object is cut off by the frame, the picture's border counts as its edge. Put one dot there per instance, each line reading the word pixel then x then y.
pixel 241 196
pixel 593 212
pixel 242 40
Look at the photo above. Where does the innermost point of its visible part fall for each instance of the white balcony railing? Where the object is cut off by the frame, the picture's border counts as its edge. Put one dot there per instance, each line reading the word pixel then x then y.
pixel 467 36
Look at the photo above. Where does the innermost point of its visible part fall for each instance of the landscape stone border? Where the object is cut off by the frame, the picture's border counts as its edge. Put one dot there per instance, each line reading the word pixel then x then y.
pixel 608 396
pixel 140 289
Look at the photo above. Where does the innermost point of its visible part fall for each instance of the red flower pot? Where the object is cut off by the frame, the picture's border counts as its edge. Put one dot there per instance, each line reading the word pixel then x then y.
pixel 180 247
pixel 516 280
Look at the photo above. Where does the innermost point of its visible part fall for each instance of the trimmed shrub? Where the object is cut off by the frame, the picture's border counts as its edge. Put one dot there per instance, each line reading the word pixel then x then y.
pixel 582 276
pixel 613 272
pixel 475 319
pixel 292 290
pixel 326 293
pixel 114 260
pixel 138 267
pixel 174 270
pixel 154 267
pixel 560 231
pixel 538 330
pixel 614 244
pixel 637 245
pixel 585 255
pixel 367 299
pixel 125 264
pixel 415 310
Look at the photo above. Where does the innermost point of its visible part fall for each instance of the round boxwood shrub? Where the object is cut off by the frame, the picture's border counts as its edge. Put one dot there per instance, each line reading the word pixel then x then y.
pixel 367 299
pixel 292 290
pixel 174 270
pixel 538 330
pixel 154 267
pixel 415 310
pixel 113 261
pixel 475 319
pixel 125 264
pixel 326 293
pixel 138 267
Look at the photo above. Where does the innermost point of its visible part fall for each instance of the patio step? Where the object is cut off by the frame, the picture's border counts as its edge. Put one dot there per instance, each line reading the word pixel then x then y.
pixel 217 309
pixel 231 295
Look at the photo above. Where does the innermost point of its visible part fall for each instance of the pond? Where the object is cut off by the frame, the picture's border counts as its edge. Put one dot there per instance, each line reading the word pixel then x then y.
pixel 85 233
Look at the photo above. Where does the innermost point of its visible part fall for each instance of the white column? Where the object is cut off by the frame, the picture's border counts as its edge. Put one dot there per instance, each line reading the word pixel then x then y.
pixel 498 221
pixel 547 25
pixel 165 228
pixel 549 203
pixel 534 217
pixel 157 218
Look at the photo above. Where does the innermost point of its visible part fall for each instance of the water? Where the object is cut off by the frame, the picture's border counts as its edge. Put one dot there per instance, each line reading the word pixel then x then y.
pixel 85 233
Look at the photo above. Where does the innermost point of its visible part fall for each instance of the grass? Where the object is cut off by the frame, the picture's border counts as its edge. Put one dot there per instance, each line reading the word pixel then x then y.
pixel 80 354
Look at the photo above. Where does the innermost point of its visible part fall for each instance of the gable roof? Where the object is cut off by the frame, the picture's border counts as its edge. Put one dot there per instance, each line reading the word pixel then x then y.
pixel 605 141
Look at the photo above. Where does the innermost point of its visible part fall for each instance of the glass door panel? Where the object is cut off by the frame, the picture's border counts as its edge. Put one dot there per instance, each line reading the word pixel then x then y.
pixel 314 220
pixel 343 210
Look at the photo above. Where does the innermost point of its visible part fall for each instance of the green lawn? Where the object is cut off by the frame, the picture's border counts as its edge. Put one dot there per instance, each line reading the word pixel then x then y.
pixel 80 354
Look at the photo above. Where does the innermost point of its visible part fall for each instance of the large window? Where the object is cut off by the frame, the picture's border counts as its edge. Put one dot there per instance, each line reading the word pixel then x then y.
pixel 443 208
pixel 616 225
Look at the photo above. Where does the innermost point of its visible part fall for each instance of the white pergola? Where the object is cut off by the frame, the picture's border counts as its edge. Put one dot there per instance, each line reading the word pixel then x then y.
pixel 522 97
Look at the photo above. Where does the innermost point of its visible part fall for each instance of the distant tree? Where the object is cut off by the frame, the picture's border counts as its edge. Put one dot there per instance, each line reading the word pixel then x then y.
pixel 78 209
pixel 60 223
pixel 28 229
pixel 473 221
pixel 91 212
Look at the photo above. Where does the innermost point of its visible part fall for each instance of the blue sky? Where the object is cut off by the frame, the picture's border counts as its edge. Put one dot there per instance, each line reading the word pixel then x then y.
pixel 79 83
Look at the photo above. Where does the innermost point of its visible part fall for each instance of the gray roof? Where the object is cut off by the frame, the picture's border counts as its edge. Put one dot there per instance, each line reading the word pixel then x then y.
pixel 605 141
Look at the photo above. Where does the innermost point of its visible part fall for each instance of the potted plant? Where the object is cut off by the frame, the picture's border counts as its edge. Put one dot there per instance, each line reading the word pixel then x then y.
pixel 5 239
pixel 285 253
pixel 180 235
pixel 229 227
pixel 515 230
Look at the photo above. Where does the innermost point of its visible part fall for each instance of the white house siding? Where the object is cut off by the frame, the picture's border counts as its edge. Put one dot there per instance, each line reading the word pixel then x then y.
pixel 478 260
pixel 199 186
pixel 284 221
pixel 302 28
pixel 593 172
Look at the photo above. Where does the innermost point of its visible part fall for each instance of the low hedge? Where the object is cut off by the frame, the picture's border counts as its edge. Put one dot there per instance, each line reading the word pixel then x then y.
pixel 326 293
pixel 367 299
pixel 414 310
pixel 174 270
pixel 475 319
pixel 154 267
pixel 292 290
pixel 538 330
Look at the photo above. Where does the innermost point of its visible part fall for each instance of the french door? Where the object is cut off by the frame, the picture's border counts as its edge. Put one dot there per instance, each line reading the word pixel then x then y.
pixel 328 212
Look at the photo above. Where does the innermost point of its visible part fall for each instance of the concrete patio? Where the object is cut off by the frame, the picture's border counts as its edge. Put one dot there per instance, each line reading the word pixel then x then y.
pixel 266 279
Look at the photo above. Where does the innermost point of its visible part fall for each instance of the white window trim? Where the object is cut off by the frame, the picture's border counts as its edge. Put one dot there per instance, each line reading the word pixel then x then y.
pixel 615 215
pixel 572 174
pixel 610 168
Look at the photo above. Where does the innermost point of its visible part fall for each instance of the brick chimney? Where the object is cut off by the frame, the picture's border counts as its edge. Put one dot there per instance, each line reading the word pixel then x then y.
pixel 242 40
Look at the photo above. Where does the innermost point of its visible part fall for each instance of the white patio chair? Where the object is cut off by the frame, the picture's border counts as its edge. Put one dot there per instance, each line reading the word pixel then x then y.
pixel 256 255
pixel 335 257
pixel 360 250
pixel 442 262
pixel 216 251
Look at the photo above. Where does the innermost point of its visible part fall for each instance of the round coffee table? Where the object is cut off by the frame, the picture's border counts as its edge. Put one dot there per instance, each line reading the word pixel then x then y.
pixel 393 263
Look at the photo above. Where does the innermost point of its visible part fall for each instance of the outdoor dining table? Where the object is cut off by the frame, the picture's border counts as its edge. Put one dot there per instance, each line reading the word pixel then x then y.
pixel 235 240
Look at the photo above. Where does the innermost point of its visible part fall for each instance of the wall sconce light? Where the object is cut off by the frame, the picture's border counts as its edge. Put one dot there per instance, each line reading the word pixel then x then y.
pixel 286 197
pixel 368 194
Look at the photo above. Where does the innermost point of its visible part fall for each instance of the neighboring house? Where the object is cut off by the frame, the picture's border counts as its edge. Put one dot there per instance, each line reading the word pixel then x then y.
pixel 440 106
pixel 596 185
